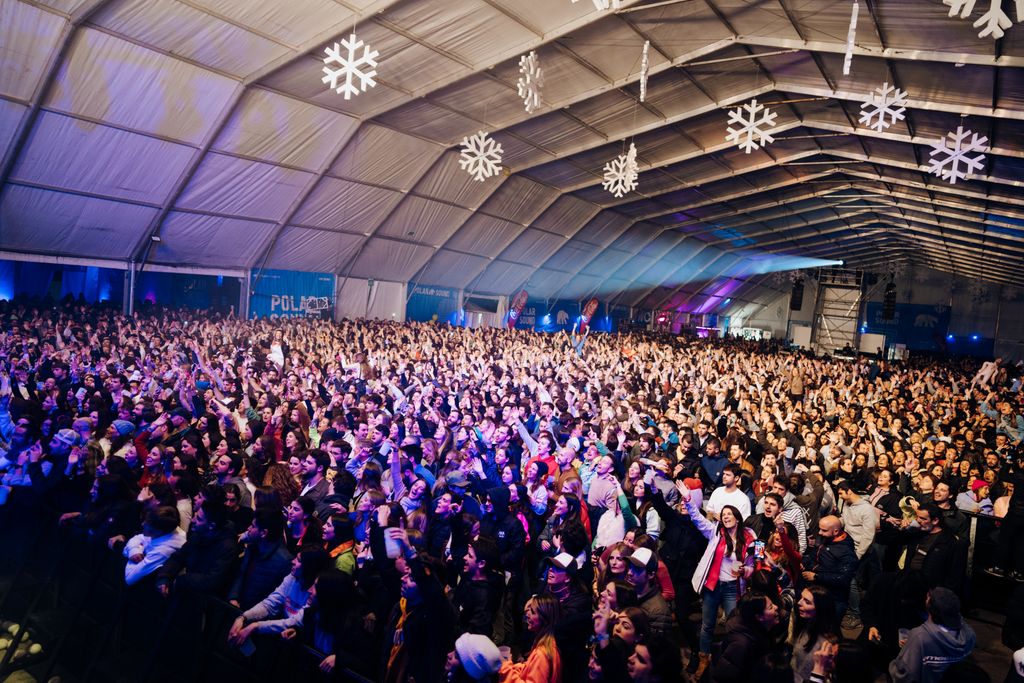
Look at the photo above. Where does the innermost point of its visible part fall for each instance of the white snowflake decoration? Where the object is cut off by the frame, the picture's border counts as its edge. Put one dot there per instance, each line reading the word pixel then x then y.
pixel 755 127
pixel 531 78
pixel 645 66
pixel 481 156
pixel 602 5
pixel 884 107
pixel 948 166
pixel 621 173
pixel 995 21
pixel 350 67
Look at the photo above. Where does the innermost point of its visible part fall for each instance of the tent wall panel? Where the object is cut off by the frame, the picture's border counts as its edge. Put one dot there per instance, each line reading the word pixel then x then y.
pixel 28 36
pixel 42 220
pixel 293 22
pixel 447 181
pixel 110 79
pixel 238 187
pixel 424 221
pixel 69 153
pixel 379 156
pixel 485 235
pixel 452 269
pixel 342 205
pixel 312 250
pixel 280 129
pixel 470 30
pixel 209 241
pixel 388 256
pixel 201 37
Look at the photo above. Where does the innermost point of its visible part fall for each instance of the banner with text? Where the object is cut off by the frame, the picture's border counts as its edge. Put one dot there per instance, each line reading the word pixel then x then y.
pixel 921 327
pixel 290 294
pixel 428 303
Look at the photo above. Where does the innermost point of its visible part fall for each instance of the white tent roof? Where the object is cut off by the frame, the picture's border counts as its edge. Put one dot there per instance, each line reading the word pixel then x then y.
pixel 205 122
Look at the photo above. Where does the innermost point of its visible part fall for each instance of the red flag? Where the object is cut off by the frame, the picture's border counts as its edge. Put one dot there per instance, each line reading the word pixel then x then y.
pixel 588 312
pixel 518 304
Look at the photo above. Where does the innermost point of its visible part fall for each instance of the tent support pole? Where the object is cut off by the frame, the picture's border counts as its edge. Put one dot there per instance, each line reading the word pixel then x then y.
pixel 128 303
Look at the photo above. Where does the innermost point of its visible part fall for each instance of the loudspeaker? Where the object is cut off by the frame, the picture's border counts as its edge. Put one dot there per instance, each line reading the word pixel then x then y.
pixel 889 303
pixel 796 298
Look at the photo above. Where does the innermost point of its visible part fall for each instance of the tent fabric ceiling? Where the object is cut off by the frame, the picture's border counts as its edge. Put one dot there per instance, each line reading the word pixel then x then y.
pixel 205 122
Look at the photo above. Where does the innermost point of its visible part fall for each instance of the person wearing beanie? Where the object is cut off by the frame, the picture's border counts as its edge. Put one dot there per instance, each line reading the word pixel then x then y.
pixel 123 427
pixel 475 658
pixel 941 641
pixel 977 499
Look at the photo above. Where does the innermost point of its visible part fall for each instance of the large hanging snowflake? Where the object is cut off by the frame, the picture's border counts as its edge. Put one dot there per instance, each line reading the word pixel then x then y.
pixel 755 126
pixel 885 103
pixel 995 21
pixel 645 66
pixel 481 156
pixel 948 164
pixel 531 78
pixel 620 174
pixel 350 67
pixel 601 5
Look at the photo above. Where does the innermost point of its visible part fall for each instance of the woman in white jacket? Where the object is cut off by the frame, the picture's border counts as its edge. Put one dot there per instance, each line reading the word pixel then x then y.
pixel 727 562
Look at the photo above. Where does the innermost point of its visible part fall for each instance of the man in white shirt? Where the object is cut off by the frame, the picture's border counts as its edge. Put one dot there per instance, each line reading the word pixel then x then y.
pixel 728 494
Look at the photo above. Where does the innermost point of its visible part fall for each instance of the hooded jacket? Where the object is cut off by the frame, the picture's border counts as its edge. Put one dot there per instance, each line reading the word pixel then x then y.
pixel 929 651
pixel 505 529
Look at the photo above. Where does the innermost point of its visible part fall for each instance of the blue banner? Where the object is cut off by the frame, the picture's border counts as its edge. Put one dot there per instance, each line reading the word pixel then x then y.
pixel 552 316
pixel 428 303
pixel 287 293
pixel 920 327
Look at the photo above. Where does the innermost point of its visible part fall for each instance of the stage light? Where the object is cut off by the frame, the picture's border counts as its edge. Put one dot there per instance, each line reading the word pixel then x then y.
pixel 950 337
pixel 974 337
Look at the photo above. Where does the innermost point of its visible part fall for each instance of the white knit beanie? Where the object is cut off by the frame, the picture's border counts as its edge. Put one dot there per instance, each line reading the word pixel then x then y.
pixel 479 656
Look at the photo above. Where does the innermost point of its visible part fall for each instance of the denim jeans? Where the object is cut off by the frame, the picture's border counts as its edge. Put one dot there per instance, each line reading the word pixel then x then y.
pixel 725 595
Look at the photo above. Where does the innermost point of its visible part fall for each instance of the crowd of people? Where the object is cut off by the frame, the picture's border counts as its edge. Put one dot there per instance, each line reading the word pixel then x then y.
pixel 495 505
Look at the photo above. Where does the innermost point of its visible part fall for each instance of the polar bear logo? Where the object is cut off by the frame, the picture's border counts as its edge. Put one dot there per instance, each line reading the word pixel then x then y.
pixel 925 320
pixel 562 318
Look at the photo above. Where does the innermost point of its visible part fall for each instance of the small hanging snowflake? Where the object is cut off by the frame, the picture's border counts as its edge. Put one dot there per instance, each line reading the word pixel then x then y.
pixel 754 130
pixel 602 5
pixel 350 67
pixel 620 174
pixel 531 78
pixel 887 102
pixel 645 66
pixel 948 167
pixel 995 21
pixel 481 156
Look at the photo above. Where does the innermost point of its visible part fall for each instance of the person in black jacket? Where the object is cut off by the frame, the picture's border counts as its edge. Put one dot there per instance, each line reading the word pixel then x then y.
pixel 747 638
pixel 265 561
pixel 507 531
pixel 833 564
pixel 204 563
pixel 480 587
pixel 938 553
pixel 1013 630
pixel 681 548
pixel 1010 550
